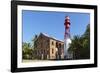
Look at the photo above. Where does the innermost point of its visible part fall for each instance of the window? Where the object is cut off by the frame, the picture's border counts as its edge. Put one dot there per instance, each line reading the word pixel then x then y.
pixel 59 45
pixel 56 44
pixel 52 43
pixel 52 50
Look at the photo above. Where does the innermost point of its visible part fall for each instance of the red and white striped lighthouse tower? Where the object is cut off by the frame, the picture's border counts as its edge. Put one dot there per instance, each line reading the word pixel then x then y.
pixel 67 27
pixel 67 38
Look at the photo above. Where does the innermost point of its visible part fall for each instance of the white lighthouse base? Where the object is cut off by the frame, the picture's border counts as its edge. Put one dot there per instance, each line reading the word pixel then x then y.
pixel 67 43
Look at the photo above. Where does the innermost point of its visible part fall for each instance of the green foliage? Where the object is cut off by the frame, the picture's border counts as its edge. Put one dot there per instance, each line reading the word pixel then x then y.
pixel 26 51
pixel 80 45
pixel 33 41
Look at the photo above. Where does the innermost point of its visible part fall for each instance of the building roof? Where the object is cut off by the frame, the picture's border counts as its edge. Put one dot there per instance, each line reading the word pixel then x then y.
pixel 46 35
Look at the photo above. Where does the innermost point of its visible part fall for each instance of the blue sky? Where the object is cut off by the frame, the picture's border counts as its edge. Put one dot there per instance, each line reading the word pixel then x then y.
pixel 52 23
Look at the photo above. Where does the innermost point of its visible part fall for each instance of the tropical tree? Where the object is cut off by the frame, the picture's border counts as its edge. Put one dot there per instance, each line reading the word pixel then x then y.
pixel 26 50
pixel 86 44
pixel 34 56
pixel 75 46
pixel 80 45
pixel 34 40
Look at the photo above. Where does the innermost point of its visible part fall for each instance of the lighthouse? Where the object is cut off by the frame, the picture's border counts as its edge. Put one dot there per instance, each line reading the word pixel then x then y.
pixel 67 37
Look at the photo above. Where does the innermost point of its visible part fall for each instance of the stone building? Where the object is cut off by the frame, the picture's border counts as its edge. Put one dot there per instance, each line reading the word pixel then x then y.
pixel 47 48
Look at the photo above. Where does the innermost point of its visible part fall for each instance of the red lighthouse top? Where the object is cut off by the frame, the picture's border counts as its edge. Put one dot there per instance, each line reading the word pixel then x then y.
pixel 67 22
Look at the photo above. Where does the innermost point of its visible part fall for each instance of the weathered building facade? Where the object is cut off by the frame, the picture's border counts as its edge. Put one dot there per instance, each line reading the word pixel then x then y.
pixel 47 48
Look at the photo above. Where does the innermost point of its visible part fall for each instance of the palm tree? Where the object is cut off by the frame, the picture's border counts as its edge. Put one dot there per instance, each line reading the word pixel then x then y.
pixel 80 46
pixel 75 47
pixel 26 50
pixel 86 43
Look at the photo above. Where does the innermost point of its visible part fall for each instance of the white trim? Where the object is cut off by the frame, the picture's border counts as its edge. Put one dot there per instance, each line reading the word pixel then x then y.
pixel 53 63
